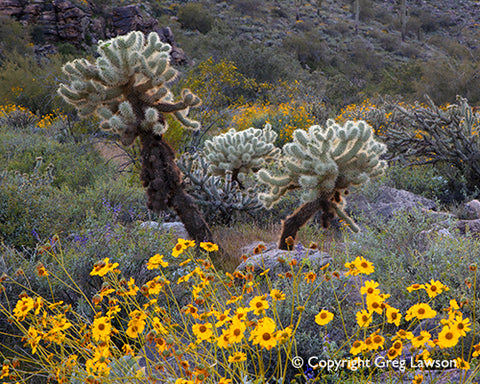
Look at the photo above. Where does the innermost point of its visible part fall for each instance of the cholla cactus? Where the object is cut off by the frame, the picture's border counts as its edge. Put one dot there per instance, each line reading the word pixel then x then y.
pixel 127 88
pixel 218 197
pixel 324 162
pixel 241 152
pixel 428 134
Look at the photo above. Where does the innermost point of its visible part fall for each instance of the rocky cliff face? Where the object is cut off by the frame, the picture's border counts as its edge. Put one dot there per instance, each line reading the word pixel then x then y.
pixel 63 21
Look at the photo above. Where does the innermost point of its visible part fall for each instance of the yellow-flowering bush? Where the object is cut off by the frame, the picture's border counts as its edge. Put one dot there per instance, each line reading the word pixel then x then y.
pixel 193 324
pixel 284 118
pixel 20 117
pixel 221 86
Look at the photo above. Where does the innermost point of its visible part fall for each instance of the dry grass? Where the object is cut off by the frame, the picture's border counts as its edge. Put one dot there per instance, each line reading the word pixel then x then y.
pixel 233 239
pixel 112 152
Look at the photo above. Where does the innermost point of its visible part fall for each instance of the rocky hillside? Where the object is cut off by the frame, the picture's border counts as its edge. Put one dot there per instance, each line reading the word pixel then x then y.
pixel 318 41
pixel 82 25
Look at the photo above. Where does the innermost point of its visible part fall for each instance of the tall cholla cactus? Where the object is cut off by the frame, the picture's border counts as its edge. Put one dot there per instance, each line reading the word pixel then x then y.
pixel 241 152
pixel 324 162
pixel 126 87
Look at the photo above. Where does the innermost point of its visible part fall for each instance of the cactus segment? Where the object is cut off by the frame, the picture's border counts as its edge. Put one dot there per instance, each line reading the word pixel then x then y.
pixel 128 66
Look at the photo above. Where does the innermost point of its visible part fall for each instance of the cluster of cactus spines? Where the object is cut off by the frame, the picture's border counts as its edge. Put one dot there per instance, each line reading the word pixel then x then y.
pixel 127 86
pixel 241 152
pixel 218 197
pixel 434 135
pixel 324 162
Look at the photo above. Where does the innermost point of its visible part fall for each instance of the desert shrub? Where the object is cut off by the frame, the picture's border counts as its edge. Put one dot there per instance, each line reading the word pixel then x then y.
pixel 362 57
pixel 279 12
pixel 248 7
pixel 309 47
pixel 30 82
pixel 20 150
pixel 432 21
pixel 425 181
pixel 451 47
pixel 264 64
pixel 195 16
pixel 30 204
pixel 443 78
pixel 47 186
pixel 367 9
pixel 14 37
pixel 220 85
pixel 389 42
pixel 401 79
pixel 341 91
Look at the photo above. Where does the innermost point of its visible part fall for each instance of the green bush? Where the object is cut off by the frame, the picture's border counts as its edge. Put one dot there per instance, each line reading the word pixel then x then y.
pixel 31 82
pixel 195 16
pixel 264 64
pixel 248 7
pixel 310 48
pixel 76 165
pixel 14 37
pixel 47 186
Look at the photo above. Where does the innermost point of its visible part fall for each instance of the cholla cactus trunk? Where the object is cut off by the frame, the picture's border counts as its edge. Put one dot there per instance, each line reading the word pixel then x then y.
pixel 292 224
pixel 163 182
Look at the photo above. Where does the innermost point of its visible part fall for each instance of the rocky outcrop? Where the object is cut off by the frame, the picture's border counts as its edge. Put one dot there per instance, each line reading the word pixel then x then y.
pixel 63 21
pixel 388 202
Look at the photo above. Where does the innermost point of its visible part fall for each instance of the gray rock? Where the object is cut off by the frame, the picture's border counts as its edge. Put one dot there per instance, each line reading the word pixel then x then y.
pixel 387 203
pixel 176 229
pixel 472 209
pixel 269 258
pixel 469 226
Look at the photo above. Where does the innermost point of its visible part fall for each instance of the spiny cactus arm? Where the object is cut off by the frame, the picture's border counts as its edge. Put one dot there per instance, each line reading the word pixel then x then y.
pixel 339 210
pixel 188 100
pixel 352 139
pixel 278 187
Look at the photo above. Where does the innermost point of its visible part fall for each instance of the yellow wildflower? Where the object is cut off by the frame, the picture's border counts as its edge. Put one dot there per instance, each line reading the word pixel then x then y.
pixel 209 247
pixel 323 317
pixel 420 311
pixel 434 288
pixel 237 357
pixel 258 305
pixel 101 328
pixel 203 331
pixel 155 261
pixel 364 318
pixel 103 267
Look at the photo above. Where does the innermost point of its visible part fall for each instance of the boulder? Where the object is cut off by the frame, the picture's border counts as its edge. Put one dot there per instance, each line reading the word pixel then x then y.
pixel 388 202
pixel 268 258
pixel 469 226
pixel 12 8
pixel 472 209
pixel 176 229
